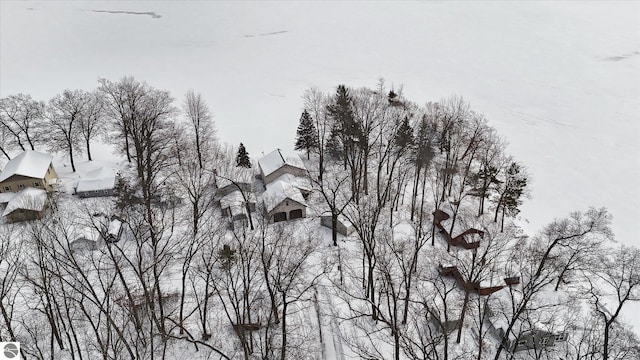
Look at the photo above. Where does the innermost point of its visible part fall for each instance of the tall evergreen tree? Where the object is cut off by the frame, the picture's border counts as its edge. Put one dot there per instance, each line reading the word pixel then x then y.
pixel 307 136
pixel 512 189
pixel 345 126
pixel 242 160
pixel 404 135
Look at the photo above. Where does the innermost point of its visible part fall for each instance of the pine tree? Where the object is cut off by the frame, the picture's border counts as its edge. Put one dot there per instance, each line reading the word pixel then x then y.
pixel 333 147
pixel 307 136
pixel 242 160
pixel 404 136
pixel 512 189
pixel 345 127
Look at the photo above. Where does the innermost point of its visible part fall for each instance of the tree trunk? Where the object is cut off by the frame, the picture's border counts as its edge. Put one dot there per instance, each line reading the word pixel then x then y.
pixel 284 328
pixel 334 228
pixel 89 150
pixel 73 165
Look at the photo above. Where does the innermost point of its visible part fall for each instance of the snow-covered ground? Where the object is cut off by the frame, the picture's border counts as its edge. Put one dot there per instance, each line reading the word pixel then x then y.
pixel 560 80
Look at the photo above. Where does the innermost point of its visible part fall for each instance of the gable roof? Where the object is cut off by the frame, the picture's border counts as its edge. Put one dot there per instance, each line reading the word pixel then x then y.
pixel 29 163
pixel 27 199
pixel 279 191
pixel 98 179
pixel 277 159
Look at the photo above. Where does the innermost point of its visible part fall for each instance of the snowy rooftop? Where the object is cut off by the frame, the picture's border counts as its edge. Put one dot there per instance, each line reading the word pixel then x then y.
pixel 98 179
pixel 277 159
pixel 237 174
pixel 278 191
pixel 299 182
pixel 235 198
pixel 29 163
pixel 27 199
pixel 6 197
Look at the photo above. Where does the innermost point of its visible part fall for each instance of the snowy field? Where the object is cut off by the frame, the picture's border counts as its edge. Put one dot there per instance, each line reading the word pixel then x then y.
pixel 560 80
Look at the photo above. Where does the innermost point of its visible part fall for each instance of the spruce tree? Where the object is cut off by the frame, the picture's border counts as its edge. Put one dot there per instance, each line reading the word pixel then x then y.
pixel 306 136
pixel 404 135
pixel 242 160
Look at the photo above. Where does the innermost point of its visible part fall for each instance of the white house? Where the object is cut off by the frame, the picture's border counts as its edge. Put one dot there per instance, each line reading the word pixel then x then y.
pixel 278 162
pixel 27 204
pixel 29 169
pixel 99 182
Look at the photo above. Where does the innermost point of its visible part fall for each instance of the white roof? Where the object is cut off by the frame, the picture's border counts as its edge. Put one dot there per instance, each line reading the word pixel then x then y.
pixel 6 197
pixel 114 227
pixel 29 163
pixel 235 202
pixel 27 199
pixel 278 191
pixel 277 159
pixel 99 179
pixel 299 182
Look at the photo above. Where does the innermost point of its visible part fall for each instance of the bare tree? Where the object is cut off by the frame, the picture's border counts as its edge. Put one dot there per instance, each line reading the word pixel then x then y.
pixel 92 124
pixel 63 116
pixel 21 116
pixel 612 285
pixel 201 121
pixel 536 261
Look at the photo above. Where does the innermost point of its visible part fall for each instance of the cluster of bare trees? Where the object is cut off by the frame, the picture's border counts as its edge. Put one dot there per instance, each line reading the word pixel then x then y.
pixel 178 278
pixel 181 280
pixel 386 164
pixel 68 122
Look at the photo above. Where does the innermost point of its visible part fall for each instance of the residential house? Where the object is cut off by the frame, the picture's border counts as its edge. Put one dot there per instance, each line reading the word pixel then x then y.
pixel 277 163
pixel 284 202
pixel 27 204
pixel 97 183
pixel 234 205
pixel 537 339
pixel 29 169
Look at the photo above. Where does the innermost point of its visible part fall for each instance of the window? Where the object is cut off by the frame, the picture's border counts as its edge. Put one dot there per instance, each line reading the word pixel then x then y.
pixel 544 341
pixel 36 184
pixel 20 186
pixel 7 188
pixel 522 341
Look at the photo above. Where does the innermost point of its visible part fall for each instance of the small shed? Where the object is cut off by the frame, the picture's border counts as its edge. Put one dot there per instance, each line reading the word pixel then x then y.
pixel 114 230
pixel 233 205
pixel 284 202
pixel 27 204
pixel 343 225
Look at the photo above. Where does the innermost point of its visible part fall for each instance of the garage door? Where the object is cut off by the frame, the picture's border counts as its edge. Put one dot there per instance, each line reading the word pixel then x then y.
pixel 295 214
pixel 281 216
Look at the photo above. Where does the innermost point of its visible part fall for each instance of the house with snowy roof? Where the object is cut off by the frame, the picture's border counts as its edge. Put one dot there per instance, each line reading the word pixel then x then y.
pixel 283 201
pixel 234 204
pixel 277 163
pixel 27 204
pixel 29 169
pixel 99 182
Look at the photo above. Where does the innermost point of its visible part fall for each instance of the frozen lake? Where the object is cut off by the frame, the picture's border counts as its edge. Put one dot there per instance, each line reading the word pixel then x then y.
pixel 561 81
